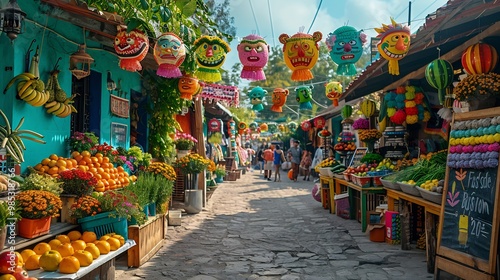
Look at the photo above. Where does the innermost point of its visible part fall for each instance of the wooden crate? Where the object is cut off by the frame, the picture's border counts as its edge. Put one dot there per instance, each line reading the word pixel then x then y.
pixel 149 239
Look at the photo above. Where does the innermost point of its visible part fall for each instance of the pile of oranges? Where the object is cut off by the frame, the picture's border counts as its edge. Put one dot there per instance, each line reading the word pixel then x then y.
pixel 108 177
pixel 68 253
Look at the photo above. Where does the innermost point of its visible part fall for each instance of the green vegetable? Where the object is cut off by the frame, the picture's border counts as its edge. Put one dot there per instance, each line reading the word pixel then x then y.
pixel 371 157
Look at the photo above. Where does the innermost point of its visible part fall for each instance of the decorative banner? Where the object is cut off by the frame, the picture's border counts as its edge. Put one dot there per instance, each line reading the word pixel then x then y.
pixel 394 44
pixel 479 58
pixel 257 95
pixel 210 52
pixel 346 47
pixel 304 97
pixel 439 75
pixel 333 90
pixel 214 125
pixel 319 122
pixel 169 52
pixel 228 94
pixel 119 106
pixel 279 99
pixel 131 48
pixel 188 87
pixel 253 52
pixel 300 53
pixel 305 125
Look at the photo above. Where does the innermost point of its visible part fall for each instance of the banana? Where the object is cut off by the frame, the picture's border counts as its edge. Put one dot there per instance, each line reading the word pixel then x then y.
pixel 20 85
pixel 26 85
pixel 35 94
pixel 59 110
pixel 39 100
pixel 22 76
pixel 73 109
pixel 50 104
pixel 26 93
pixel 66 112
pixel 54 108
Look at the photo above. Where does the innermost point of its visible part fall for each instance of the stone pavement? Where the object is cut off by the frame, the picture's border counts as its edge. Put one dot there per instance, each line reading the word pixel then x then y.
pixel 258 229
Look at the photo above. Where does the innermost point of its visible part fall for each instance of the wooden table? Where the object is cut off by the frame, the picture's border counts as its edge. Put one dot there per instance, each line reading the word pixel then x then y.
pixel 363 191
pixel 432 213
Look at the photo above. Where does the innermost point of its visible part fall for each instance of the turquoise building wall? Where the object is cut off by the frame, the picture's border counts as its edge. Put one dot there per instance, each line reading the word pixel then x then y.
pixel 56 39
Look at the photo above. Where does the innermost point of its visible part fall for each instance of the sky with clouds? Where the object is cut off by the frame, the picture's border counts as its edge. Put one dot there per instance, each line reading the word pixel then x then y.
pixel 288 16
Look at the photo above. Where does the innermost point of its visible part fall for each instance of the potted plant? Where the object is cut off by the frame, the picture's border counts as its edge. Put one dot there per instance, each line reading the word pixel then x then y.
pixel 76 182
pixel 85 206
pixel 7 214
pixel 145 190
pixel 190 166
pixel 164 192
pixel 220 172
pixel 478 90
pixel 184 142
pixel 36 208
pixel 83 141
pixel 164 169
pixel 35 181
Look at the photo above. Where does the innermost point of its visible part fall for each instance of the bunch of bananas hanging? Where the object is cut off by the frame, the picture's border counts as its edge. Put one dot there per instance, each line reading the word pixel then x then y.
pixel 11 139
pixel 29 86
pixel 58 103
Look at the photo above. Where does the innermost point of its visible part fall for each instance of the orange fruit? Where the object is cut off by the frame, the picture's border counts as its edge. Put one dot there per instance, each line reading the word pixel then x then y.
pixel 63 238
pixel 20 259
pixel 74 154
pixel 65 249
pixel 103 247
pixel 74 162
pixel 61 162
pixel 82 167
pixel 54 157
pixel 50 260
pixel 78 158
pixel 54 243
pixel 105 159
pixel 85 154
pixel 78 245
pixel 38 166
pixel 98 155
pixel 45 169
pixel 74 235
pixel 26 253
pixel 69 163
pixel 33 262
pixel 84 257
pixel 105 237
pixel 53 170
pixel 41 248
pixel 69 265
pixel 91 248
pixel 120 238
pixel 87 160
pixel 45 161
pixel 114 243
pixel 7 277
pixel 52 163
pixel 89 237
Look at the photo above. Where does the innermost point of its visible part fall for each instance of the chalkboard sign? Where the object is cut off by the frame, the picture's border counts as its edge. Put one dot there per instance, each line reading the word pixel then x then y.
pixel 357 156
pixel 119 135
pixel 468 211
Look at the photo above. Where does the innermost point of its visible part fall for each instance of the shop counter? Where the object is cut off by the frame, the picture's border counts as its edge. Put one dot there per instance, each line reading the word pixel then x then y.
pixel 329 183
pixel 102 268
pixel 363 207
pixel 432 212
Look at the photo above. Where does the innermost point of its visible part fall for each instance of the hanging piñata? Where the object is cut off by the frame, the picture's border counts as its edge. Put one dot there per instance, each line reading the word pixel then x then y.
pixel 333 90
pixel 439 75
pixel 131 47
pixel 188 87
pixel 394 44
pixel 346 47
pixel 169 52
pixel 300 53
pixel 210 52
pixel 304 97
pixel 279 99
pixel 253 52
pixel 479 58
pixel 257 95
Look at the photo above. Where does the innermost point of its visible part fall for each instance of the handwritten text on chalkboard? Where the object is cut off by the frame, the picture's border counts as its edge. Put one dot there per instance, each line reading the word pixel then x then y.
pixel 468 211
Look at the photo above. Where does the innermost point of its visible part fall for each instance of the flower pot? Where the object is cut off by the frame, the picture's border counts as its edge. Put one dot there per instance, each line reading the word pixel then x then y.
pixel 132 222
pixel 182 153
pixel 193 201
pixel 104 223
pixel 146 209
pixel 191 181
pixel 219 180
pixel 152 209
pixel 482 102
pixel 31 228
pixel 67 201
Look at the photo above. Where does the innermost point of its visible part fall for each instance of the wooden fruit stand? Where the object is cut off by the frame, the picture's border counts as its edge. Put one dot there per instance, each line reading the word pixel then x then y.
pixel 149 239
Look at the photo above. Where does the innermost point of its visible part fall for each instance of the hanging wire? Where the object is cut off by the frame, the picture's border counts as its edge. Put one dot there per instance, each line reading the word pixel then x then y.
pixel 271 20
pixel 316 14
pixel 43 35
pixel 254 18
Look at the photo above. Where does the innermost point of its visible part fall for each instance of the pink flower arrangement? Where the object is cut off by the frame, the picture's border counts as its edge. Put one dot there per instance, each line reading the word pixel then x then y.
pixel 184 141
pixel 361 123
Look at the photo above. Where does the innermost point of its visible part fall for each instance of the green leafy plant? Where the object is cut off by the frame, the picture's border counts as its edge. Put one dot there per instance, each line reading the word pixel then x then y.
pixel 193 163
pixel 83 141
pixel 220 171
pixel 145 181
pixel 36 181
pixel 123 204
pixel 164 192
pixel 8 212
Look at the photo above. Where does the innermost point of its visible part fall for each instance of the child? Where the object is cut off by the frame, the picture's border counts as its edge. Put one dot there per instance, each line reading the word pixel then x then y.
pixel 306 164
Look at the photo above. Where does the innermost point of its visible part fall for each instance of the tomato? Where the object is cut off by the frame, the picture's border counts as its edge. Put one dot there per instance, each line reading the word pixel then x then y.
pixel 20 273
pixel 8 262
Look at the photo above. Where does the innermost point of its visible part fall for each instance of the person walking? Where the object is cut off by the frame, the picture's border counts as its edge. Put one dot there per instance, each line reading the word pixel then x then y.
pixel 279 158
pixel 260 158
pixel 268 156
pixel 305 163
pixel 295 152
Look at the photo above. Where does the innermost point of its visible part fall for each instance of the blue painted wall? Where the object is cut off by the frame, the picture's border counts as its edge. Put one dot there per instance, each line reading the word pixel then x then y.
pixel 58 39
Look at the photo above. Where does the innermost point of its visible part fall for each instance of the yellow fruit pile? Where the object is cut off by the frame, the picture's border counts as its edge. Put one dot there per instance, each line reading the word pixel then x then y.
pixel 67 253
pixel 329 162
pixel 108 177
